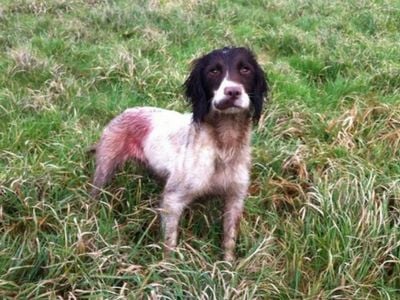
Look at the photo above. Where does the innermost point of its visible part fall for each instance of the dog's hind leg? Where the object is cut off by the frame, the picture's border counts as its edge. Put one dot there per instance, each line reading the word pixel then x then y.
pixel 122 139
pixel 106 164
pixel 111 152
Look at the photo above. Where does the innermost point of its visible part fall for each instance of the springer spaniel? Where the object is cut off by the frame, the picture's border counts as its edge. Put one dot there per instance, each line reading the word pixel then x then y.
pixel 203 153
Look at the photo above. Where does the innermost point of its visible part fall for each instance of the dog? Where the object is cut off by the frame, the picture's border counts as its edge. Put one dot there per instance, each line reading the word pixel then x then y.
pixel 205 153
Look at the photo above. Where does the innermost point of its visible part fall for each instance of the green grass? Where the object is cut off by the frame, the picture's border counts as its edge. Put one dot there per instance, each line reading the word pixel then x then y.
pixel 322 217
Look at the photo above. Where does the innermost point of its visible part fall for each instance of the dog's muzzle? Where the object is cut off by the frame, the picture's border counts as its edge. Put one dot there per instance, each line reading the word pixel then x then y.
pixel 226 103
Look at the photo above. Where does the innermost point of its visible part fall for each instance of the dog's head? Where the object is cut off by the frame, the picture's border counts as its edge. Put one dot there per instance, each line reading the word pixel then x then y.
pixel 227 80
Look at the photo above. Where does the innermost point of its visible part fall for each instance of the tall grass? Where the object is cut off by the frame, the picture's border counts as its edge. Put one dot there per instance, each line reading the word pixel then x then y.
pixel 322 216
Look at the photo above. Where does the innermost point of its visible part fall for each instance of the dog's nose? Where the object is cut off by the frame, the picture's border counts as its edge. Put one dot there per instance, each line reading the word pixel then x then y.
pixel 233 91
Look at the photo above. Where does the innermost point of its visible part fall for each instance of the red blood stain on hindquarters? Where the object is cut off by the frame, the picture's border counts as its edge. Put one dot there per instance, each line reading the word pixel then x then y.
pixel 138 129
pixel 129 132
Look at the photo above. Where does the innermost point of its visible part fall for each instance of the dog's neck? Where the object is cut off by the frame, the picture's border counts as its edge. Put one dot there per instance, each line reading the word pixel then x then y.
pixel 229 131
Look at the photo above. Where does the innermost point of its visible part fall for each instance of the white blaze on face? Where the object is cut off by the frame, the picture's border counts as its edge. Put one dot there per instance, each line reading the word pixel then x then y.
pixel 242 102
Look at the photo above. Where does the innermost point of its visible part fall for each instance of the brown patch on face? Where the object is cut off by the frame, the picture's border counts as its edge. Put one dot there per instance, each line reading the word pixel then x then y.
pixel 242 71
pixel 214 73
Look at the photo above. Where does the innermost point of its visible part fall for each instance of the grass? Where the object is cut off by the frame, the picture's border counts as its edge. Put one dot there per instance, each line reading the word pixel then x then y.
pixel 322 216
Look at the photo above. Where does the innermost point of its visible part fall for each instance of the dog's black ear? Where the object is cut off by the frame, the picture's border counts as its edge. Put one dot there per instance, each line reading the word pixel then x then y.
pixel 196 93
pixel 260 91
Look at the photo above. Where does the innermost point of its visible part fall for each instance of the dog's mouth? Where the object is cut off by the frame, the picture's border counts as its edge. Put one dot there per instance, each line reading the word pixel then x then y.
pixel 226 103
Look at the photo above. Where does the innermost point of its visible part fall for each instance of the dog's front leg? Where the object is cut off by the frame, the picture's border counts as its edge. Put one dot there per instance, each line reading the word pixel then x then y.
pixel 172 206
pixel 233 212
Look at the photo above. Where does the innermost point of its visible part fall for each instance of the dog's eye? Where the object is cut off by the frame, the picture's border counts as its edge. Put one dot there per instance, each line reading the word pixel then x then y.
pixel 244 70
pixel 214 72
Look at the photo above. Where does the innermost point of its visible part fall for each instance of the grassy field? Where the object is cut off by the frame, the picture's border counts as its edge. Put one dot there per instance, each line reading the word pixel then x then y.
pixel 322 218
